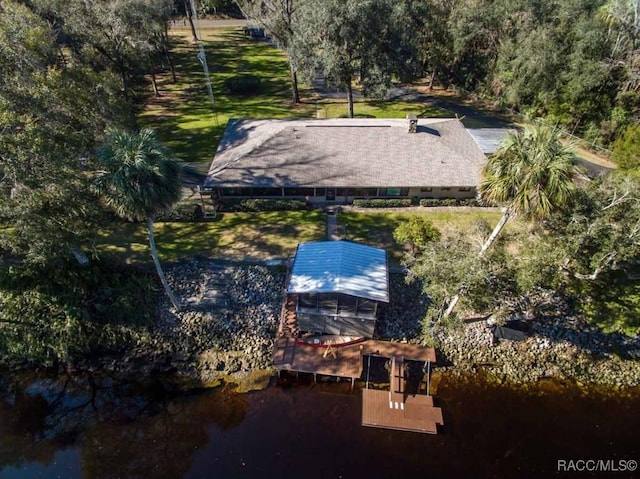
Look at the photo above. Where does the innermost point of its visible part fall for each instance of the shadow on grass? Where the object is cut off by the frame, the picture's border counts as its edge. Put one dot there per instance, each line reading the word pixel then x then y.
pixel 376 228
pixel 184 116
pixel 372 229
pixel 233 236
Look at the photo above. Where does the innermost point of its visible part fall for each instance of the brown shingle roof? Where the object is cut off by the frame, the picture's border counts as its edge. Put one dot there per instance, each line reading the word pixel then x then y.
pixel 346 153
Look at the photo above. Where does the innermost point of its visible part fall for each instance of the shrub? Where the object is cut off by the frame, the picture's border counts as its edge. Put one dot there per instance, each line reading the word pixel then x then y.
pixel 382 203
pixel 417 231
pixel 626 147
pixel 182 212
pixel 430 202
pixel 263 204
pixel 243 85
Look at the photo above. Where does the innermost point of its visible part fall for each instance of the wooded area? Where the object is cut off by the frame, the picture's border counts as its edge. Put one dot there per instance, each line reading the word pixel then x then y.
pixel 72 71
pixel 576 62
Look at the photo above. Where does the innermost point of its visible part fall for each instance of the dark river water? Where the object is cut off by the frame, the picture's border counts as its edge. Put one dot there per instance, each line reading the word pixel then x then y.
pixel 79 427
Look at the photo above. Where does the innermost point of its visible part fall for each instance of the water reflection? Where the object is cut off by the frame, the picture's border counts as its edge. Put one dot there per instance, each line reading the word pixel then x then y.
pixel 103 428
pixel 122 429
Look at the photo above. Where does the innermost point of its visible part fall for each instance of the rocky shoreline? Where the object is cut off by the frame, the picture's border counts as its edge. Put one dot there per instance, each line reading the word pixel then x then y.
pixel 554 350
pixel 226 328
pixel 230 315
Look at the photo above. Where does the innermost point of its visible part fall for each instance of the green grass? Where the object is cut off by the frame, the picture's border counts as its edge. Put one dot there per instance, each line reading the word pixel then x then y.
pixel 376 228
pixel 233 236
pixel 337 108
pixel 184 116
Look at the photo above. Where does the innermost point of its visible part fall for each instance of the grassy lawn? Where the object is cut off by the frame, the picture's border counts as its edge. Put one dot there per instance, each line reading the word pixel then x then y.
pixel 267 235
pixel 337 108
pixel 184 116
pixel 376 228
pixel 254 236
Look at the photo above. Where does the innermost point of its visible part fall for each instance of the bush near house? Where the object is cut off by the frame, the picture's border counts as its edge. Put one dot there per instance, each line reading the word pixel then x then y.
pixel 430 202
pixel 182 212
pixel 382 203
pixel 256 205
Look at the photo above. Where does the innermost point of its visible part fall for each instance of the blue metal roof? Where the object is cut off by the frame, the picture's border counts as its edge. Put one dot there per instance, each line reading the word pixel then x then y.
pixel 340 267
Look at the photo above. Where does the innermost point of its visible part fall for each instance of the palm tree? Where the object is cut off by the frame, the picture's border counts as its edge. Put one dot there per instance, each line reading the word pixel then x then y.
pixel 139 179
pixel 532 172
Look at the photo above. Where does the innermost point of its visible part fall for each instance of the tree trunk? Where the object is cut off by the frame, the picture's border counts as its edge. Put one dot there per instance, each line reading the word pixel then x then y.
pixel 494 234
pixel 349 99
pixel 433 76
pixel 165 51
pixel 171 67
pixel 187 9
pixel 123 79
pixel 496 231
pixel 154 83
pixel 294 84
pixel 156 261
pixel 452 305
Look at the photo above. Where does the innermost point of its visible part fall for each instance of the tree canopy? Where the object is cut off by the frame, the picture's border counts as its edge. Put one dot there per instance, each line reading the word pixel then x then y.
pixel 575 62
pixel 532 172
pixel 626 149
pixel 352 40
pixel 584 253
pixel 53 109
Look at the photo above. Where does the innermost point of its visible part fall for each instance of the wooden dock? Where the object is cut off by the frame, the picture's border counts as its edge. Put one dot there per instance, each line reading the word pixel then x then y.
pixel 414 413
pixel 394 409
pixel 342 361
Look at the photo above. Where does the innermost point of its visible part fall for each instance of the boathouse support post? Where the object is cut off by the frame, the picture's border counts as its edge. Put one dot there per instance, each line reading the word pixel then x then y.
pixel 314 377
pixel 428 375
pixel 368 371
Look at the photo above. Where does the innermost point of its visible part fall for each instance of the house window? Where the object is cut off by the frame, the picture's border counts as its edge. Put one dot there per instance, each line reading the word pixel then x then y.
pixel 394 191
pixel 298 191
pixel 466 188
pixel 426 190
pixel 445 189
pixel 346 191
pixel 233 191
pixel 266 192
pixel 365 192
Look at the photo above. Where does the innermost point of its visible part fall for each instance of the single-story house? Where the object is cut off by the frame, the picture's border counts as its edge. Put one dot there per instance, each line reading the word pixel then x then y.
pixel 337 287
pixel 338 160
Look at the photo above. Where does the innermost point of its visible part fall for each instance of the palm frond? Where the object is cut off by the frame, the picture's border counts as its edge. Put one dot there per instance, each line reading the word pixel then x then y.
pixel 138 177
pixel 532 171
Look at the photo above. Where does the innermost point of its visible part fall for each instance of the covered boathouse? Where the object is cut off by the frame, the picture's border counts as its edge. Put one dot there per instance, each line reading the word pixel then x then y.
pixel 328 318
pixel 337 287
